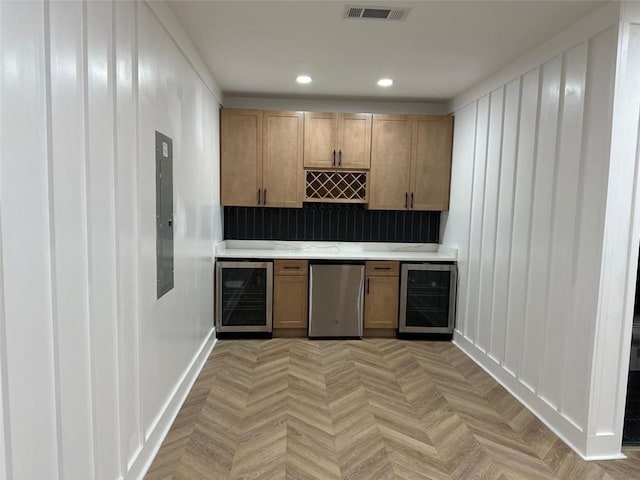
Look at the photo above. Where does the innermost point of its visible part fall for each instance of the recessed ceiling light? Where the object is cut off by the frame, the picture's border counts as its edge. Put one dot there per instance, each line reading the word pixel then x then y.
pixel 303 79
pixel 385 82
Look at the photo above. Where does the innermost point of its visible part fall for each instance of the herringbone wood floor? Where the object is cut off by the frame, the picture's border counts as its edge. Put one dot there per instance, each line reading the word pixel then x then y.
pixel 371 409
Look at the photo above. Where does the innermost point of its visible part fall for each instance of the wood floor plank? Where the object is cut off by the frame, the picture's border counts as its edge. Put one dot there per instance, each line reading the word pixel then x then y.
pixel 375 409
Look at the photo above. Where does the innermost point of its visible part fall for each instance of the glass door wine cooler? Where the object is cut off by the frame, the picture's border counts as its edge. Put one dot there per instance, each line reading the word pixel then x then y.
pixel 427 298
pixel 244 296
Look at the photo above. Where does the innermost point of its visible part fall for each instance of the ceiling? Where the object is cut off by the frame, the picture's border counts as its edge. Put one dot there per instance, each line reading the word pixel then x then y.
pixel 441 49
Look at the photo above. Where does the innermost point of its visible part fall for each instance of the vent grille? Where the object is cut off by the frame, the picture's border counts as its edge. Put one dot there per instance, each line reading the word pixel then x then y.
pixel 376 13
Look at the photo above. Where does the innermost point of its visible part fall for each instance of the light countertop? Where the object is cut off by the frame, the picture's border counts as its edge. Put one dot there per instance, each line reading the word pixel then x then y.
pixel 335 250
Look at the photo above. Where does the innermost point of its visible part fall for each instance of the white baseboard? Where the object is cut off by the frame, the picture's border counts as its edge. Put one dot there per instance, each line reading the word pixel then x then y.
pixel 170 411
pixel 567 431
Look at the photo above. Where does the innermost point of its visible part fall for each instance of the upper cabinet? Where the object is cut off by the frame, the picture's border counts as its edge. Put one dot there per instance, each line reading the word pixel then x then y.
pixel 241 157
pixel 261 158
pixel 282 174
pixel 390 162
pixel 319 140
pixel 410 162
pixel 337 140
pixel 431 162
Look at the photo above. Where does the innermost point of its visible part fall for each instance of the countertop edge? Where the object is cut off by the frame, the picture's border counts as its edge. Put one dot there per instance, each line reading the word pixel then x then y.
pixel 331 252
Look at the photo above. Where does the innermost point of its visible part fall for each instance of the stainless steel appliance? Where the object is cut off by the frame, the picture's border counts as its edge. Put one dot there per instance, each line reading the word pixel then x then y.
pixel 244 293
pixel 427 298
pixel 336 300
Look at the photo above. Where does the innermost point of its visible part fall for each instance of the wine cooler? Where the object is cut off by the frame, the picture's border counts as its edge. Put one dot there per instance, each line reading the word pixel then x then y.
pixel 244 296
pixel 427 298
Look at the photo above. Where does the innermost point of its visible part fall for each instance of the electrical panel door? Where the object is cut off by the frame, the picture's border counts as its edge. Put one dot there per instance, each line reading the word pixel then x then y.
pixel 164 213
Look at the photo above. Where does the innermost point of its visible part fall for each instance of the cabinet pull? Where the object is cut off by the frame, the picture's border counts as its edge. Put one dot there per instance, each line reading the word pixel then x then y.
pixel 291 268
pixel 340 158
pixel 411 199
pixel 368 279
pixel 264 196
pixel 406 200
pixel 258 196
pixel 334 158
pixel 382 268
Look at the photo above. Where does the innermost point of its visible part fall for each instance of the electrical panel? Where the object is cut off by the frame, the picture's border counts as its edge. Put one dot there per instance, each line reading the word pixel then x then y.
pixel 164 213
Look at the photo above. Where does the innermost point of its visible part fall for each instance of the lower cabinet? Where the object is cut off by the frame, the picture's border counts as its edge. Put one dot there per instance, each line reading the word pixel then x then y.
pixel 381 299
pixel 290 292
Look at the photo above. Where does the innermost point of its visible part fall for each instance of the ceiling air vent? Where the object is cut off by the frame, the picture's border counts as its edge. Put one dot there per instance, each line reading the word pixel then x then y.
pixel 376 13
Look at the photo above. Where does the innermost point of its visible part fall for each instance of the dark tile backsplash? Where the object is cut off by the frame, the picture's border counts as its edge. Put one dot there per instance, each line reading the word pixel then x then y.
pixel 331 222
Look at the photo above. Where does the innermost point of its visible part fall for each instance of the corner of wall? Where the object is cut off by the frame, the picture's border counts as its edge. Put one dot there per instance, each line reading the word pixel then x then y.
pixel 619 263
pixel 586 27
pixel 160 428
pixel 172 25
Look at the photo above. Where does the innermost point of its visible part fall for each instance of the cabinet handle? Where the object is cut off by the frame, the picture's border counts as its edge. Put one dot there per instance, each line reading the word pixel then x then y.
pixel 382 268
pixel 411 199
pixel 406 200
pixel 291 268
pixel 340 158
pixel 264 196
pixel 334 158
pixel 258 196
pixel 368 286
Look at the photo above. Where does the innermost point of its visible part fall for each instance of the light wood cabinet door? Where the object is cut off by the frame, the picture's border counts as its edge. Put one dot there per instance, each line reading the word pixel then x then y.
pixel 431 162
pixel 240 157
pixel 319 140
pixel 290 301
pixel 354 140
pixel 282 173
pixel 390 162
pixel 381 302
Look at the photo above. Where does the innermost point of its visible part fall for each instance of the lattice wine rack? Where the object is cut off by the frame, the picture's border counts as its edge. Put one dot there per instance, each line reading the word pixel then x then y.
pixel 335 186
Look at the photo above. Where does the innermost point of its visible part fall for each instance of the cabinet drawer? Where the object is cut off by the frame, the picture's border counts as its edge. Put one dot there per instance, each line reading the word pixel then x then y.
pixel 383 268
pixel 291 267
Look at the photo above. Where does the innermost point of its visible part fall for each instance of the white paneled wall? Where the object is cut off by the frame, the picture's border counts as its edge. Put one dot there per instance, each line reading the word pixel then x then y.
pixel 530 165
pixel 612 336
pixel 92 365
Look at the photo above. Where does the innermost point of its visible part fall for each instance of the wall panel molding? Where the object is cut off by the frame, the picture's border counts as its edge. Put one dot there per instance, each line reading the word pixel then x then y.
pixel 613 325
pixel 528 296
pixel 126 177
pixel 89 361
pixel 5 432
pixel 26 249
pixel 163 422
pixel 69 240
